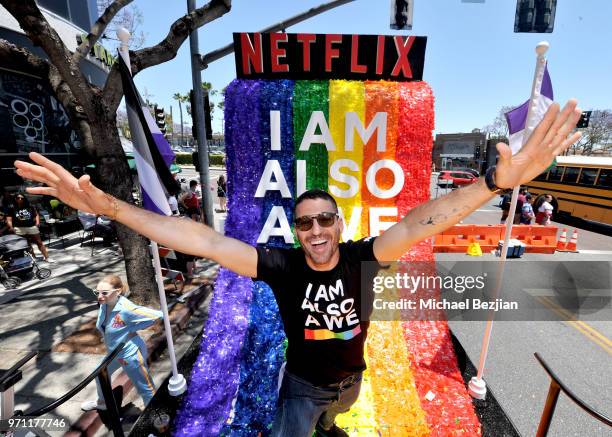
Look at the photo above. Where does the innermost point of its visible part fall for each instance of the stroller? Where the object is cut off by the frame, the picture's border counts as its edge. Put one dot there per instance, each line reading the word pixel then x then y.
pixel 16 262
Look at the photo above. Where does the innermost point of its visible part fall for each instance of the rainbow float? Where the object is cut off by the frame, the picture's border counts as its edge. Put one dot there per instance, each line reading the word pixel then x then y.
pixel 368 142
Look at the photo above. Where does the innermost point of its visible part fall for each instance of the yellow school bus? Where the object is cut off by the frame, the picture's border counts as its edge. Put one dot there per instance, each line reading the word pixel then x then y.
pixel 580 185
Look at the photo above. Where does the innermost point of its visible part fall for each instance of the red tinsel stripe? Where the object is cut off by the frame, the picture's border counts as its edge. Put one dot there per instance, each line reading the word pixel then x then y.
pixel 434 363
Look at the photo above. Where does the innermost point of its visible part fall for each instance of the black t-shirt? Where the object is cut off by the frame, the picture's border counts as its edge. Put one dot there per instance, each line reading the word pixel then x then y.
pixel 321 311
pixel 23 217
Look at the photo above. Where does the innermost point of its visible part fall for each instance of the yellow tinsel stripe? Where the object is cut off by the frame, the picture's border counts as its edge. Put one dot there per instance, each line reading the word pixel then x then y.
pixel 346 96
pixel 361 420
pixel 349 96
pixel 396 399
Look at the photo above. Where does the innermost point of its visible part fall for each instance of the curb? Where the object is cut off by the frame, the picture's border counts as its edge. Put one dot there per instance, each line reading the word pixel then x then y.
pixel 90 421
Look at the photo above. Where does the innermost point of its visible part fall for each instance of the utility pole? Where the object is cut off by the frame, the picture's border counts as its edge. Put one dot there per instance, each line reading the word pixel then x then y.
pixel 197 112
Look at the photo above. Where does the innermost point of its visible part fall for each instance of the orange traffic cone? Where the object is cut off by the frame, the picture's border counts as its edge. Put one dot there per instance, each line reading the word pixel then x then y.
pixel 562 243
pixel 573 243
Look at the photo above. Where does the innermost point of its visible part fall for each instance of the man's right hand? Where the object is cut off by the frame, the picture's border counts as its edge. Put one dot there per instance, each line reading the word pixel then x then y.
pixel 80 193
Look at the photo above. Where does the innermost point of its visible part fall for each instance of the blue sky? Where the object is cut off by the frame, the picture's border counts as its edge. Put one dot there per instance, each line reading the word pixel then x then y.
pixel 474 61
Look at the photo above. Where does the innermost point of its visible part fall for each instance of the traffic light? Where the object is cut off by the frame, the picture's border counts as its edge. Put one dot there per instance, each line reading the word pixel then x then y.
pixel 160 119
pixel 194 121
pixel 195 158
pixel 535 16
pixel 207 116
pixel 584 120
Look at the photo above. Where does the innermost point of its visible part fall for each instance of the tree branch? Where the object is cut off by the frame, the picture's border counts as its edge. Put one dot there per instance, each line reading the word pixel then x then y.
pixel 42 34
pixel 166 49
pixel 19 58
pixel 98 28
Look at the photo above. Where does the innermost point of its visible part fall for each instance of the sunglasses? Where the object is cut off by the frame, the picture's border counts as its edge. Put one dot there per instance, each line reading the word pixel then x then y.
pixel 104 293
pixel 324 219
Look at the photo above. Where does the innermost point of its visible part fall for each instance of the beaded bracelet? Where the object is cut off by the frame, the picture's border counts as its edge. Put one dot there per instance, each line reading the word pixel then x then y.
pixel 115 207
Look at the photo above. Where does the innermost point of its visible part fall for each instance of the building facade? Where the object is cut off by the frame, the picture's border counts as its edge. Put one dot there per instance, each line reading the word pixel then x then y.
pixel 31 118
pixel 460 150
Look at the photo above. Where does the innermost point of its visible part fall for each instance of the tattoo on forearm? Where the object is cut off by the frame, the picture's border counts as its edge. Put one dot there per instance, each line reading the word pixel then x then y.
pixel 438 219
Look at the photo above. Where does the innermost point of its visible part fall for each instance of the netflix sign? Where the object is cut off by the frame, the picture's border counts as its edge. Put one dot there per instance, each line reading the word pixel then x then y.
pixel 329 56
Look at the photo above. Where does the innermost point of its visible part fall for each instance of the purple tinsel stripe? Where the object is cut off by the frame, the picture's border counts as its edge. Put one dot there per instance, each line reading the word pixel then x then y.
pixel 215 375
pixel 262 354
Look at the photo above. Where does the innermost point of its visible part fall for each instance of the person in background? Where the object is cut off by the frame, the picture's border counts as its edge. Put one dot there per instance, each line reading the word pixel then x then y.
pixel 221 190
pixel 184 187
pixel 119 320
pixel 527 214
pixel 505 207
pixel 519 206
pixel 5 229
pixel 191 201
pixel 7 201
pixel 173 203
pixel 545 211
pixel 24 219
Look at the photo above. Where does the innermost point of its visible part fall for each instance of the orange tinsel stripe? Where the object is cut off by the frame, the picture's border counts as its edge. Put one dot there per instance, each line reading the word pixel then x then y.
pixel 434 363
pixel 380 97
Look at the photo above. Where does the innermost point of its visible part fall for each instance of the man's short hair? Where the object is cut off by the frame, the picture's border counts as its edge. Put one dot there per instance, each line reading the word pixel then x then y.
pixel 316 194
pixel 193 183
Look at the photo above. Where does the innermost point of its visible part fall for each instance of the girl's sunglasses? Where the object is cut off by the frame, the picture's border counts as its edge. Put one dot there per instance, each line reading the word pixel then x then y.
pixel 324 219
pixel 104 293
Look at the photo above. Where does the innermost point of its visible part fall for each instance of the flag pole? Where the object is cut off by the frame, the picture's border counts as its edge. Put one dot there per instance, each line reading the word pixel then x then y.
pixel 177 384
pixel 477 387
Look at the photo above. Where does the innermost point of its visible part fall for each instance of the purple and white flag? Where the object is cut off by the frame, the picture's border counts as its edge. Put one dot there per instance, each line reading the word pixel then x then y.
pixel 519 127
pixel 152 152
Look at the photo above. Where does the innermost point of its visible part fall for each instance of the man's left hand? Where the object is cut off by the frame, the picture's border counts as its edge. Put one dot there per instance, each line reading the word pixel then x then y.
pixel 549 139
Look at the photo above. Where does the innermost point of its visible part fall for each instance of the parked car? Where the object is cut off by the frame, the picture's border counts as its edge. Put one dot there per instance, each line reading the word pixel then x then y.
pixel 456 178
pixel 470 170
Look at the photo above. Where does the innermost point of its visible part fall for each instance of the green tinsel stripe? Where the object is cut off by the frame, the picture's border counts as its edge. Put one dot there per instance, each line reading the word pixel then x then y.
pixel 309 96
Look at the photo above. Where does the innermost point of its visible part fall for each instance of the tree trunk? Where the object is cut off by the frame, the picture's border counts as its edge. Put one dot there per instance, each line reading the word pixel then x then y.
pixel 113 176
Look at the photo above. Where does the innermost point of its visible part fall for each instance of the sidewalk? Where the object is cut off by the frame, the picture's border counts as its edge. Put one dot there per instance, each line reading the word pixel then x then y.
pixel 40 314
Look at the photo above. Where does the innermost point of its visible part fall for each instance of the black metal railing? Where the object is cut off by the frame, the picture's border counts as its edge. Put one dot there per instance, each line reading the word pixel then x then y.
pixel 6 375
pixel 101 372
pixel 556 386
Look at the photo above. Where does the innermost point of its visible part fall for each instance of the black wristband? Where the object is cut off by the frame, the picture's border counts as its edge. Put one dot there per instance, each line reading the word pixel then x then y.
pixel 490 181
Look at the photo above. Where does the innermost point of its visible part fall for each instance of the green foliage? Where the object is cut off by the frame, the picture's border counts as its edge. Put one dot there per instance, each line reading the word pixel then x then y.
pixel 186 159
pixel 217 160
pixel 183 159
